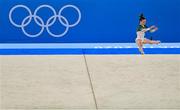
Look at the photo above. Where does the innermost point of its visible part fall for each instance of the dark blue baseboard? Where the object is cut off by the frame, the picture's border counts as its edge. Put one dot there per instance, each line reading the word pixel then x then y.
pixel 87 51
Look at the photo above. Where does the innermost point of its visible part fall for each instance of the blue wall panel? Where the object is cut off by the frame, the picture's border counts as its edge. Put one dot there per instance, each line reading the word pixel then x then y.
pixel 102 21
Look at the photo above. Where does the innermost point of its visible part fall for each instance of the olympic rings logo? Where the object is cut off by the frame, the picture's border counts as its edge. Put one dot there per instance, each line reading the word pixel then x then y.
pixel 44 25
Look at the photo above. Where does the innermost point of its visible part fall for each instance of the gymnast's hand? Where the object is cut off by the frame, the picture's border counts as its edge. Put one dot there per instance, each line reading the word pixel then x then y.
pixel 152 27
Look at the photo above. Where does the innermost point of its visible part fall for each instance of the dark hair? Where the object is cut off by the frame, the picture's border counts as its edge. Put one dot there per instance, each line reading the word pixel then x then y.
pixel 141 17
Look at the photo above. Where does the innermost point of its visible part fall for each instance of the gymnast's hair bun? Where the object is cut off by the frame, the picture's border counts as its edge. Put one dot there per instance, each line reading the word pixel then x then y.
pixel 141 17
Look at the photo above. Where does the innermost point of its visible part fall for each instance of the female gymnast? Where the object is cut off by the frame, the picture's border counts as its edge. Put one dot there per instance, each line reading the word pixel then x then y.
pixel 141 30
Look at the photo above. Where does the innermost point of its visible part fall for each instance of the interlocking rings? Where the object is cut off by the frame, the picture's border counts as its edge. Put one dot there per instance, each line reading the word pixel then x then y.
pixel 44 25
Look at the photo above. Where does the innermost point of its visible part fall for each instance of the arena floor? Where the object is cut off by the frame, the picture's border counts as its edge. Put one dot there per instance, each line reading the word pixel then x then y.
pixel 90 82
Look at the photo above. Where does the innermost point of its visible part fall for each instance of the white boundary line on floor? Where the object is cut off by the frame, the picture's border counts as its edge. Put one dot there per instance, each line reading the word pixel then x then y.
pixel 83 45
